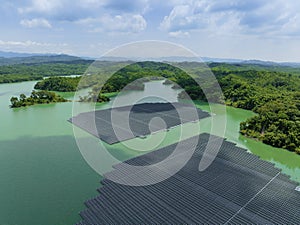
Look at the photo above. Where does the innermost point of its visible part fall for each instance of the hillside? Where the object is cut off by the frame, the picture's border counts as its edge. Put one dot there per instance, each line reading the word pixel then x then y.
pixel 36 67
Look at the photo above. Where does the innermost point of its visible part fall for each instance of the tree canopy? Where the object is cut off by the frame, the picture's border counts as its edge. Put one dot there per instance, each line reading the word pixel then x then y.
pixel 272 92
pixel 36 97
pixel 62 84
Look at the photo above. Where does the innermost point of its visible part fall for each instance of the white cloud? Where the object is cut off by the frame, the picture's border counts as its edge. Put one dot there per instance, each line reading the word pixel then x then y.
pixel 33 46
pixel 47 6
pixel 23 43
pixel 116 16
pixel 61 10
pixel 259 17
pixel 37 22
pixel 185 17
pixel 228 28
pixel 127 6
pixel 126 23
pixel 179 34
pixel 42 6
pixel 70 10
pixel 89 21
pixel 91 4
pixel 293 26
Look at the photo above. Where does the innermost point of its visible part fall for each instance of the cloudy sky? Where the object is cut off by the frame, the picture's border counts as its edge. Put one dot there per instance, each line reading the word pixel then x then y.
pixel 245 29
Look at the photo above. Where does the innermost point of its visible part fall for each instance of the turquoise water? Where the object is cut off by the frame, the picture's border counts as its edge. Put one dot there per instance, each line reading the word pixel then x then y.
pixel 44 178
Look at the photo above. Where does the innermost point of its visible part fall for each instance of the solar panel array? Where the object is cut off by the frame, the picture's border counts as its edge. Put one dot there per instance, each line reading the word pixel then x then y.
pixel 127 122
pixel 237 188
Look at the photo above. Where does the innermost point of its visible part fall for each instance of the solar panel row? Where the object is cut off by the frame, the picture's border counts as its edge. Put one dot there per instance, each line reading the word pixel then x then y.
pixel 238 188
pixel 123 123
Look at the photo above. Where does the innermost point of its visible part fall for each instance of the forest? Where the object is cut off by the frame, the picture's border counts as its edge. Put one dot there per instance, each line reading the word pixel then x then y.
pixel 36 71
pixel 130 77
pixel 272 92
pixel 273 95
pixel 62 84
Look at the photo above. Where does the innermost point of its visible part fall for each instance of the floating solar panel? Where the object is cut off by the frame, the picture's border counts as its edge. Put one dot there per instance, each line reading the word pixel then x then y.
pixel 237 188
pixel 127 122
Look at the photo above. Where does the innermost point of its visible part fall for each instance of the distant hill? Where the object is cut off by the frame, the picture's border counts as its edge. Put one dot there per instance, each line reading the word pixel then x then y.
pixel 10 58
pixel 38 59
pixel 271 64
pixel 15 54
pixel 221 60
pixel 172 59
pixel 260 62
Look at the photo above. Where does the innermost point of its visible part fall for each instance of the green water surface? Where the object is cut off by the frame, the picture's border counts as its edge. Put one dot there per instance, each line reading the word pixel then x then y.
pixel 45 180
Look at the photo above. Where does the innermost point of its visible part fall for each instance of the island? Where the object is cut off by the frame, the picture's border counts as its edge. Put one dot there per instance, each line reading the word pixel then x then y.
pixel 36 97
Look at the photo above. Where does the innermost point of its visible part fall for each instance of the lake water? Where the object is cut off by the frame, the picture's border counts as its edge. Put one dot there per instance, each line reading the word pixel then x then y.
pixel 45 180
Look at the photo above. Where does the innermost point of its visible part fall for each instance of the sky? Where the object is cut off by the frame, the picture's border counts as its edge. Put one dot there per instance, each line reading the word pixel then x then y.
pixel 238 29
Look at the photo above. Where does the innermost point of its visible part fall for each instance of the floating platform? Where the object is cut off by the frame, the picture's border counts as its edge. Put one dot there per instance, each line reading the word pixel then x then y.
pixel 128 122
pixel 237 188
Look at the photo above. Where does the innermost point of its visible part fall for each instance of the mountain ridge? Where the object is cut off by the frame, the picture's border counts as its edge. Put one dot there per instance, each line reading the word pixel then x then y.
pixel 10 58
